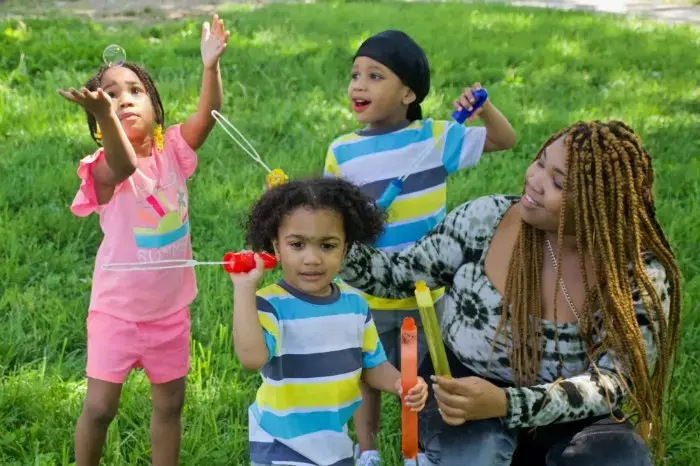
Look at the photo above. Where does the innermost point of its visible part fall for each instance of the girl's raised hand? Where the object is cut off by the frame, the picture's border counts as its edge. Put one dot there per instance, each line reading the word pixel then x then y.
pixel 214 42
pixel 96 102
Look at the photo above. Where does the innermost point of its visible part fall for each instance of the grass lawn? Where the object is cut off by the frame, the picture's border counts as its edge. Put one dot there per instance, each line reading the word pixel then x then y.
pixel 285 73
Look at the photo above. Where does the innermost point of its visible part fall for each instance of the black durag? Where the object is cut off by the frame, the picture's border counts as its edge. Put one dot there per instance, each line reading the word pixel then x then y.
pixel 402 55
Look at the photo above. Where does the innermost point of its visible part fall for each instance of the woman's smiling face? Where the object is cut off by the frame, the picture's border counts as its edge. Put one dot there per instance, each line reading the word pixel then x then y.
pixel 543 192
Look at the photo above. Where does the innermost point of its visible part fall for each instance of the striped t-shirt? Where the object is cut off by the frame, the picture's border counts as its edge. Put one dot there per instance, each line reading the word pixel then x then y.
pixel 310 388
pixel 372 160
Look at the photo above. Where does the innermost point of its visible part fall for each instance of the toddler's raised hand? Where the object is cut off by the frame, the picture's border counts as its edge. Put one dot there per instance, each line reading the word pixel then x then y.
pixel 252 278
pixel 416 396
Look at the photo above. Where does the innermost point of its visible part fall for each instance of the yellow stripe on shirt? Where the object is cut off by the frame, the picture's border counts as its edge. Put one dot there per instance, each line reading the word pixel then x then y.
pixel 370 338
pixel 331 165
pixel 310 395
pixel 269 324
pixel 418 206
pixel 271 291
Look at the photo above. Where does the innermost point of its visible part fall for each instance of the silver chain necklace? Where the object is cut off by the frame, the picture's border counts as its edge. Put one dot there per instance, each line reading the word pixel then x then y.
pixel 561 281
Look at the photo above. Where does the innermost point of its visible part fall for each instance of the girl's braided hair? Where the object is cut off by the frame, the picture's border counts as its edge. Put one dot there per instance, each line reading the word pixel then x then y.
pixel 94 82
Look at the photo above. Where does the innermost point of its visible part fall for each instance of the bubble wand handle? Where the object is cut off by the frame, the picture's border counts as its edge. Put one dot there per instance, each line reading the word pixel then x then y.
pixel 233 262
pixel 242 262
pixel 436 347
pixel 460 116
pixel 409 378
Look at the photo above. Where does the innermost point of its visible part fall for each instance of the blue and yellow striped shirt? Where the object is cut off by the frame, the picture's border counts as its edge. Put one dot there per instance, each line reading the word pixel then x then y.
pixel 310 388
pixel 373 160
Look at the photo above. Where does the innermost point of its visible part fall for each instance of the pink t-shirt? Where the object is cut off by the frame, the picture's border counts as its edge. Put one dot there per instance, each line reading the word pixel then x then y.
pixel 146 220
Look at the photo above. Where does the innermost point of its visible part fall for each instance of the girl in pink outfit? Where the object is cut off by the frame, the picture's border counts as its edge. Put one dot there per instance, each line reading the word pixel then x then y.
pixel 136 184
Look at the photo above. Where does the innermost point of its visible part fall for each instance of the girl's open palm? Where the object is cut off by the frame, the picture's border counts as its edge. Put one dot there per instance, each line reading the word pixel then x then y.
pixel 213 41
pixel 96 102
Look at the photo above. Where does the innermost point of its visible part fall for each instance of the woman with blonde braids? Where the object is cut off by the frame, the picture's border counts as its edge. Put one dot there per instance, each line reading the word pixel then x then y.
pixel 562 308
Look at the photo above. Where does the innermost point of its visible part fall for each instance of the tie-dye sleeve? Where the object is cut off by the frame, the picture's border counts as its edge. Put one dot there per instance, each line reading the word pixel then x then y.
pixel 594 393
pixel 457 240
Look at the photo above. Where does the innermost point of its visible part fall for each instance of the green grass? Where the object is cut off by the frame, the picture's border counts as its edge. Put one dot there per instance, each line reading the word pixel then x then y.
pixel 285 75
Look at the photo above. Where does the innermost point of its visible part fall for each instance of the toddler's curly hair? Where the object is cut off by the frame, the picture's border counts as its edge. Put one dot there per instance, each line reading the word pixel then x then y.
pixel 363 220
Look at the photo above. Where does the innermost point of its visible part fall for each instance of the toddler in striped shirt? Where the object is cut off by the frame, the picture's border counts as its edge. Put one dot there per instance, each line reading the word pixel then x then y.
pixel 312 339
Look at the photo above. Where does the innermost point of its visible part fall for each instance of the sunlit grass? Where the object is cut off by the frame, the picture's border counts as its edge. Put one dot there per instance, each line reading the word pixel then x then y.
pixel 285 73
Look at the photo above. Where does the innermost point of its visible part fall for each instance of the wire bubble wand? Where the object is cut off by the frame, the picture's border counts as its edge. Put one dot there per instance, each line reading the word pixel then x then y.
pixel 233 262
pixel 274 177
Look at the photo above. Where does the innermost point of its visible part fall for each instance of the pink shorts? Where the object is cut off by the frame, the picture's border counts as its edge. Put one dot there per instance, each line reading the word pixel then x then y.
pixel 115 346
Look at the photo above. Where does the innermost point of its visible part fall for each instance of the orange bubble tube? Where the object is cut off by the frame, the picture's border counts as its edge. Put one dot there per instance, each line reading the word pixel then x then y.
pixel 409 379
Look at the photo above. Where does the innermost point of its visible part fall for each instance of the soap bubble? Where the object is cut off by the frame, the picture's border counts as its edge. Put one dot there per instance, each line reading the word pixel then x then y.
pixel 114 55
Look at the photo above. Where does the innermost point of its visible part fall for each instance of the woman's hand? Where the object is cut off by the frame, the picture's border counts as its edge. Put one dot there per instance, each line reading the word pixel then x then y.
pixel 416 396
pixel 468 399
pixel 213 42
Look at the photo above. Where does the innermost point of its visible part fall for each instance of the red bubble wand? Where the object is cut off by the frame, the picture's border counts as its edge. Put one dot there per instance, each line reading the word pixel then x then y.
pixel 233 262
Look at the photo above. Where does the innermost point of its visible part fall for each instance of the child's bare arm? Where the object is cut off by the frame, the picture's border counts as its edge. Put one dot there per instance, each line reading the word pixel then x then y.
pixel 119 161
pixel 500 135
pixel 386 378
pixel 383 377
pixel 197 127
pixel 248 337
pixel 120 157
